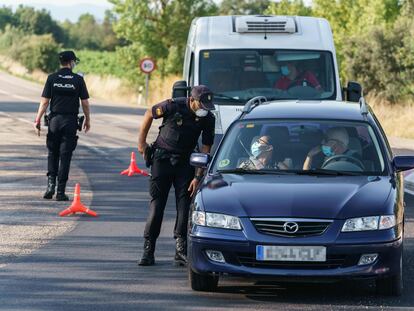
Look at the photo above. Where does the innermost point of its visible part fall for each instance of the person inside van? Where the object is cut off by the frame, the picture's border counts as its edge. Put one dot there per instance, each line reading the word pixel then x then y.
pixel 335 143
pixel 262 152
pixel 292 76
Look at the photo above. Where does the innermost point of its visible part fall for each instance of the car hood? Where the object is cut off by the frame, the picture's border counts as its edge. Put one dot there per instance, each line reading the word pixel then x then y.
pixel 336 197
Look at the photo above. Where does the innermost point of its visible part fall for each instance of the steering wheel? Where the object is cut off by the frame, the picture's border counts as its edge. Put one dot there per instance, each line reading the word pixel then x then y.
pixel 346 157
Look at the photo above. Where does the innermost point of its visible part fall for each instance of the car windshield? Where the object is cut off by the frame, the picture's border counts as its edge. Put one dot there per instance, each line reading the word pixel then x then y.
pixel 305 147
pixel 238 75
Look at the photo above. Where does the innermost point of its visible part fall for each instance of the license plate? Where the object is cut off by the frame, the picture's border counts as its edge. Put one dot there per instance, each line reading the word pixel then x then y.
pixel 291 253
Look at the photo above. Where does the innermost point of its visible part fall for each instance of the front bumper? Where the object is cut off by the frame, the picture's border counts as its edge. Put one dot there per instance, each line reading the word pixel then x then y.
pixel 342 260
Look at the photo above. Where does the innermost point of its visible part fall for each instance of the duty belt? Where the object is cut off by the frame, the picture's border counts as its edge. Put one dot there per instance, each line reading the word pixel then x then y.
pixel 174 157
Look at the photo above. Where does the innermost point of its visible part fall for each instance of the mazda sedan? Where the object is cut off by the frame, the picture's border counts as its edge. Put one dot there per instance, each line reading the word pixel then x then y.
pixel 300 191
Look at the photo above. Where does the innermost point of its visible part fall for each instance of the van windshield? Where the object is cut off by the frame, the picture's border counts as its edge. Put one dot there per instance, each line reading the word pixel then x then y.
pixel 235 76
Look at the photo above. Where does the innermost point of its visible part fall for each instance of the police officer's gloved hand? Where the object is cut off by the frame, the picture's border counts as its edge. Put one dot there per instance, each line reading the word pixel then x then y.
pixel 37 126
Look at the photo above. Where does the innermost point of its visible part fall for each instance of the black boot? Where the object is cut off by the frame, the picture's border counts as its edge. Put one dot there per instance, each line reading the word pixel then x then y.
pixel 180 258
pixel 148 256
pixel 60 195
pixel 51 185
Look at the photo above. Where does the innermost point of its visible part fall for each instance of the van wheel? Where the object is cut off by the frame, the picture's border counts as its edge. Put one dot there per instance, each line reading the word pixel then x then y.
pixel 202 282
pixel 392 285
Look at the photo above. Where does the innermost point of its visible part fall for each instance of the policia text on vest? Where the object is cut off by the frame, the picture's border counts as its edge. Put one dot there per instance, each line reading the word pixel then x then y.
pixel 184 119
pixel 62 91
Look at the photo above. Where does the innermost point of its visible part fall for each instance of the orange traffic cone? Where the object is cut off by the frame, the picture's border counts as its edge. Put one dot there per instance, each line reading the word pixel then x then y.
pixel 77 206
pixel 133 168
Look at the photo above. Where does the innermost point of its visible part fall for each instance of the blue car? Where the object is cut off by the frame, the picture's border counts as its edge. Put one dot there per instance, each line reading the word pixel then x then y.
pixel 300 190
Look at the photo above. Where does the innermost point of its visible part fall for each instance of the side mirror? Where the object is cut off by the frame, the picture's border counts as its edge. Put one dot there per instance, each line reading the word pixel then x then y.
pixel 200 160
pixel 180 89
pixel 353 91
pixel 403 163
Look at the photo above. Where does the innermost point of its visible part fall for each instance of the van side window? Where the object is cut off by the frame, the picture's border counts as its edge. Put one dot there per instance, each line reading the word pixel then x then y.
pixel 191 71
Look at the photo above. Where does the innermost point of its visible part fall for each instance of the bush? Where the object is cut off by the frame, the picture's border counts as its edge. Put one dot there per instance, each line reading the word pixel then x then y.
pixel 382 60
pixel 99 63
pixel 37 52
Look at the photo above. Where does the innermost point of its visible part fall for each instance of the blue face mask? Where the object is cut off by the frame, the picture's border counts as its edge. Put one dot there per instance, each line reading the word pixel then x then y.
pixel 255 149
pixel 327 150
pixel 284 70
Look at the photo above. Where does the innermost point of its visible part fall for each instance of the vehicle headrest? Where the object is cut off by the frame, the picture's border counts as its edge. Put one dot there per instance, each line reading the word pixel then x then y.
pixel 279 134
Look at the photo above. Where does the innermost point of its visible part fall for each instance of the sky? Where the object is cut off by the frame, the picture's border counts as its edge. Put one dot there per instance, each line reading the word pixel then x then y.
pixel 62 3
pixel 68 9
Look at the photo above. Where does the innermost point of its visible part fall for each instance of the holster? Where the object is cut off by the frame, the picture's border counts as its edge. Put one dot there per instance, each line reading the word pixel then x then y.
pixel 46 119
pixel 80 123
pixel 149 155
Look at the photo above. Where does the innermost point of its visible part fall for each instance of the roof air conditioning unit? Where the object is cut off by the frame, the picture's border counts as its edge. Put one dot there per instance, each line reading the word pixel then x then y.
pixel 265 24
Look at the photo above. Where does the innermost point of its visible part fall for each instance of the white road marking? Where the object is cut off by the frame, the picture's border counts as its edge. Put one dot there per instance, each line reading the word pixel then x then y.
pixel 18 96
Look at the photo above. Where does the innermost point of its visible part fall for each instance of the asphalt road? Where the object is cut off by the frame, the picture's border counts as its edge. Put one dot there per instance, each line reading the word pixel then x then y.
pixel 93 265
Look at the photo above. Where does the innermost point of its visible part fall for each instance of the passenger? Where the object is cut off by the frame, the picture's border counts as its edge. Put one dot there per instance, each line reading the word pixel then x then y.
pixel 292 76
pixel 262 152
pixel 335 143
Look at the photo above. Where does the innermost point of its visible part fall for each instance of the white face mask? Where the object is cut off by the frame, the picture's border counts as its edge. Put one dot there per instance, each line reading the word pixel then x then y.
pixel 201 113
pixel 73 64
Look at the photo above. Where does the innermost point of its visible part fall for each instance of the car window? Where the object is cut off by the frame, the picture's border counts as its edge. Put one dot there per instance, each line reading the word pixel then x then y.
pixel 301 145
pixel 276 74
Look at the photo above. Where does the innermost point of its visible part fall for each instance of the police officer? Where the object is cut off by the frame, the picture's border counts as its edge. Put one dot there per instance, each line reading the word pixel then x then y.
pixel 62 90
pixel 184 119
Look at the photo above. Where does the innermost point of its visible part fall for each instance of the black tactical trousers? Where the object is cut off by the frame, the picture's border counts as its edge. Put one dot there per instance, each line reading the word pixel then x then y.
pixel 61 141
pixel 164 174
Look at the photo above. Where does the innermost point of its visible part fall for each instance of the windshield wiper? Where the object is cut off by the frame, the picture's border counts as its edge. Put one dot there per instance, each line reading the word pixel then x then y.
pixel 316 172
pixel 259 171
pixel 227 97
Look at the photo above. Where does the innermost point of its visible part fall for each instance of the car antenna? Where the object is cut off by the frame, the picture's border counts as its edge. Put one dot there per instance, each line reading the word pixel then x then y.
pixel 253 102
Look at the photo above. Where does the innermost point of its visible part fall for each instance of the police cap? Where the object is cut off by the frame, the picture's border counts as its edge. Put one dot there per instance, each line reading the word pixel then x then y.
pixel 203 94
pixel 67 56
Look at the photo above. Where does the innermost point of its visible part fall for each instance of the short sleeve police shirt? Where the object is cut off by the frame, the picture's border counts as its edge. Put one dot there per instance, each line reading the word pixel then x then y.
pixel 64 88
pixel 181 128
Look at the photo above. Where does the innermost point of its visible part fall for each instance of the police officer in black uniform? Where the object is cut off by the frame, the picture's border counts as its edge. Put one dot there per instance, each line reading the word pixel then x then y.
pixel 62 90
pixel 184 119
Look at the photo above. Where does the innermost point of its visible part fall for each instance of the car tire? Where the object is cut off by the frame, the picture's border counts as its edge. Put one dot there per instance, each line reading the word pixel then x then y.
pixel 202 282
pixel 392 285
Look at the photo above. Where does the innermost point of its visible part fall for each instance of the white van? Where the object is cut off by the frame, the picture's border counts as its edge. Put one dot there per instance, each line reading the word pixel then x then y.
pixel 279 57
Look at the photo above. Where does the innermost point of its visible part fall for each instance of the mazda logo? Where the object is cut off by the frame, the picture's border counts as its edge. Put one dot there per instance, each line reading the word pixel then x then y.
pixel 291 227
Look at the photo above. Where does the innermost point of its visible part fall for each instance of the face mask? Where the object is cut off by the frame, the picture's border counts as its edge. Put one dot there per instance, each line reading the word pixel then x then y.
pixel 327 150
pixel 73 65
pixel 201 113
pixel 284 70
pixel 257 148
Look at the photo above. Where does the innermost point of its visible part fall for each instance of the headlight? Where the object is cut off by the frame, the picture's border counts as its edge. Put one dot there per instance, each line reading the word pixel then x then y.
pixel 216 220
pixel 369 223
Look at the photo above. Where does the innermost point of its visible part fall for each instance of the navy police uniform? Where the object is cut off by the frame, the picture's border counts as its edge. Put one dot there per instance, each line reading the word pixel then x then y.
pixel 64 89
pixel 177 139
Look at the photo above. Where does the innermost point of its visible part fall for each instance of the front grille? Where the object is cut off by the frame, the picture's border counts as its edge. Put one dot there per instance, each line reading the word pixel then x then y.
pixel 305 227
pixel 332 262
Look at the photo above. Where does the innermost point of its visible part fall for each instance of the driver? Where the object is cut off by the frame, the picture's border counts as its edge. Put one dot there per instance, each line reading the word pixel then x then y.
pixel 335 143
pixel 292 76
pixel 262 151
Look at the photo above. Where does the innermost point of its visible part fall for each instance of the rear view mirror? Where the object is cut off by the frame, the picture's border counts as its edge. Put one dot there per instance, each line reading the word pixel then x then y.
pixel 199 159
pixel 403 163
pixel 353 91
pixel 180 89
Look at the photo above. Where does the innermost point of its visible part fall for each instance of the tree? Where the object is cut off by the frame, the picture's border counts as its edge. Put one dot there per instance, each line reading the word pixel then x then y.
pixel 383 57
pixel 243 7
pixel 38 22
pixel 158 28
pixel 292 7
pixel 7 18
